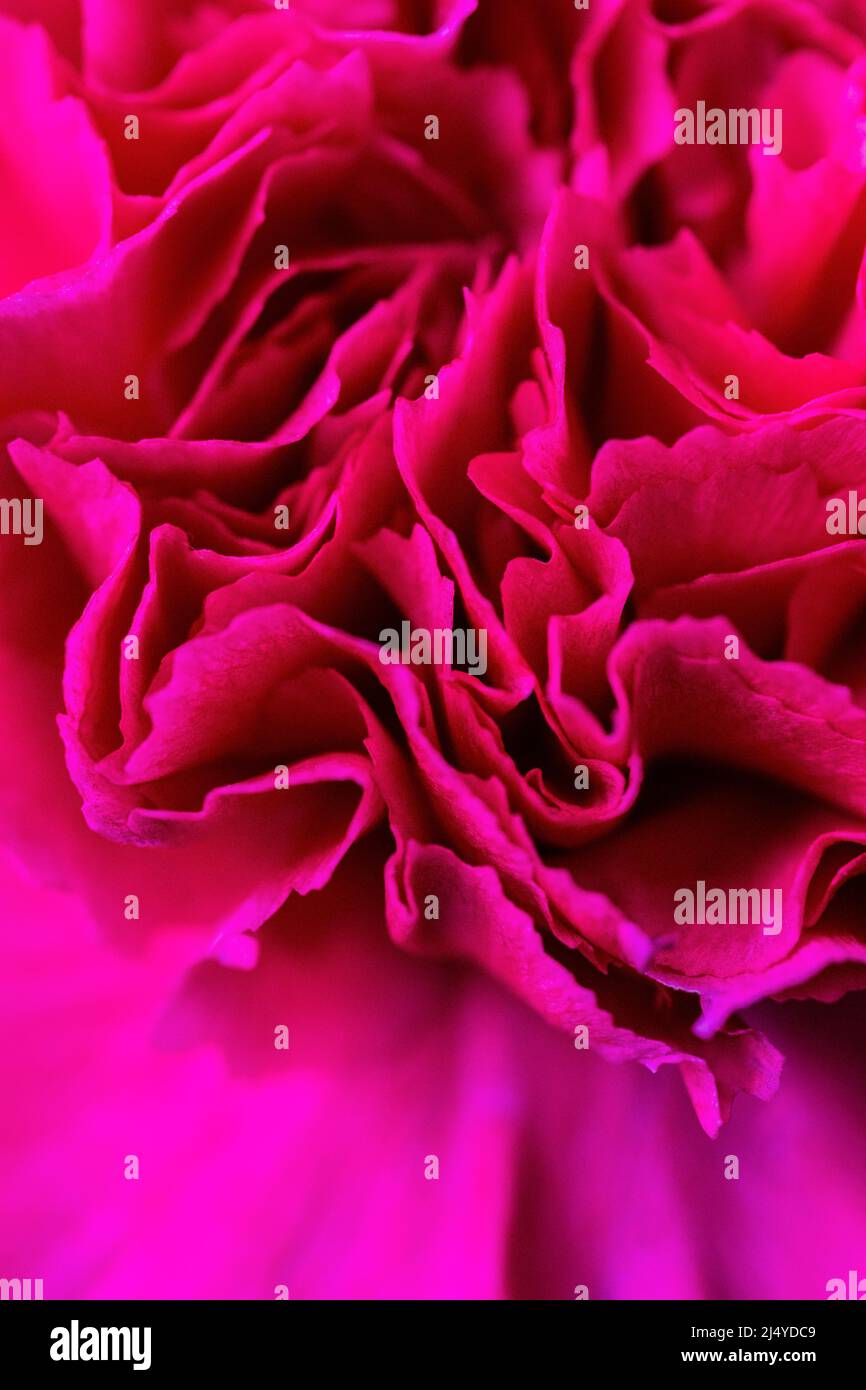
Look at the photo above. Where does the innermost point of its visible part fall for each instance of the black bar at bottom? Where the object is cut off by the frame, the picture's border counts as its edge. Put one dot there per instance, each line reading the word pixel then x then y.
pixel 157 1339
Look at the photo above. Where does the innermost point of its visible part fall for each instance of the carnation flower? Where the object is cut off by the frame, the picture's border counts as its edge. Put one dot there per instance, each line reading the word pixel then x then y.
pixel 432 610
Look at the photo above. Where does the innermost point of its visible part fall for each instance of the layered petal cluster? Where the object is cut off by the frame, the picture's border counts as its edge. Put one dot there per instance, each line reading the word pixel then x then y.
pixel 325 322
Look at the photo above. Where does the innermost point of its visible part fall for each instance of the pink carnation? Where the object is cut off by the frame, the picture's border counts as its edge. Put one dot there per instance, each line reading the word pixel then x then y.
pixel 432 614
